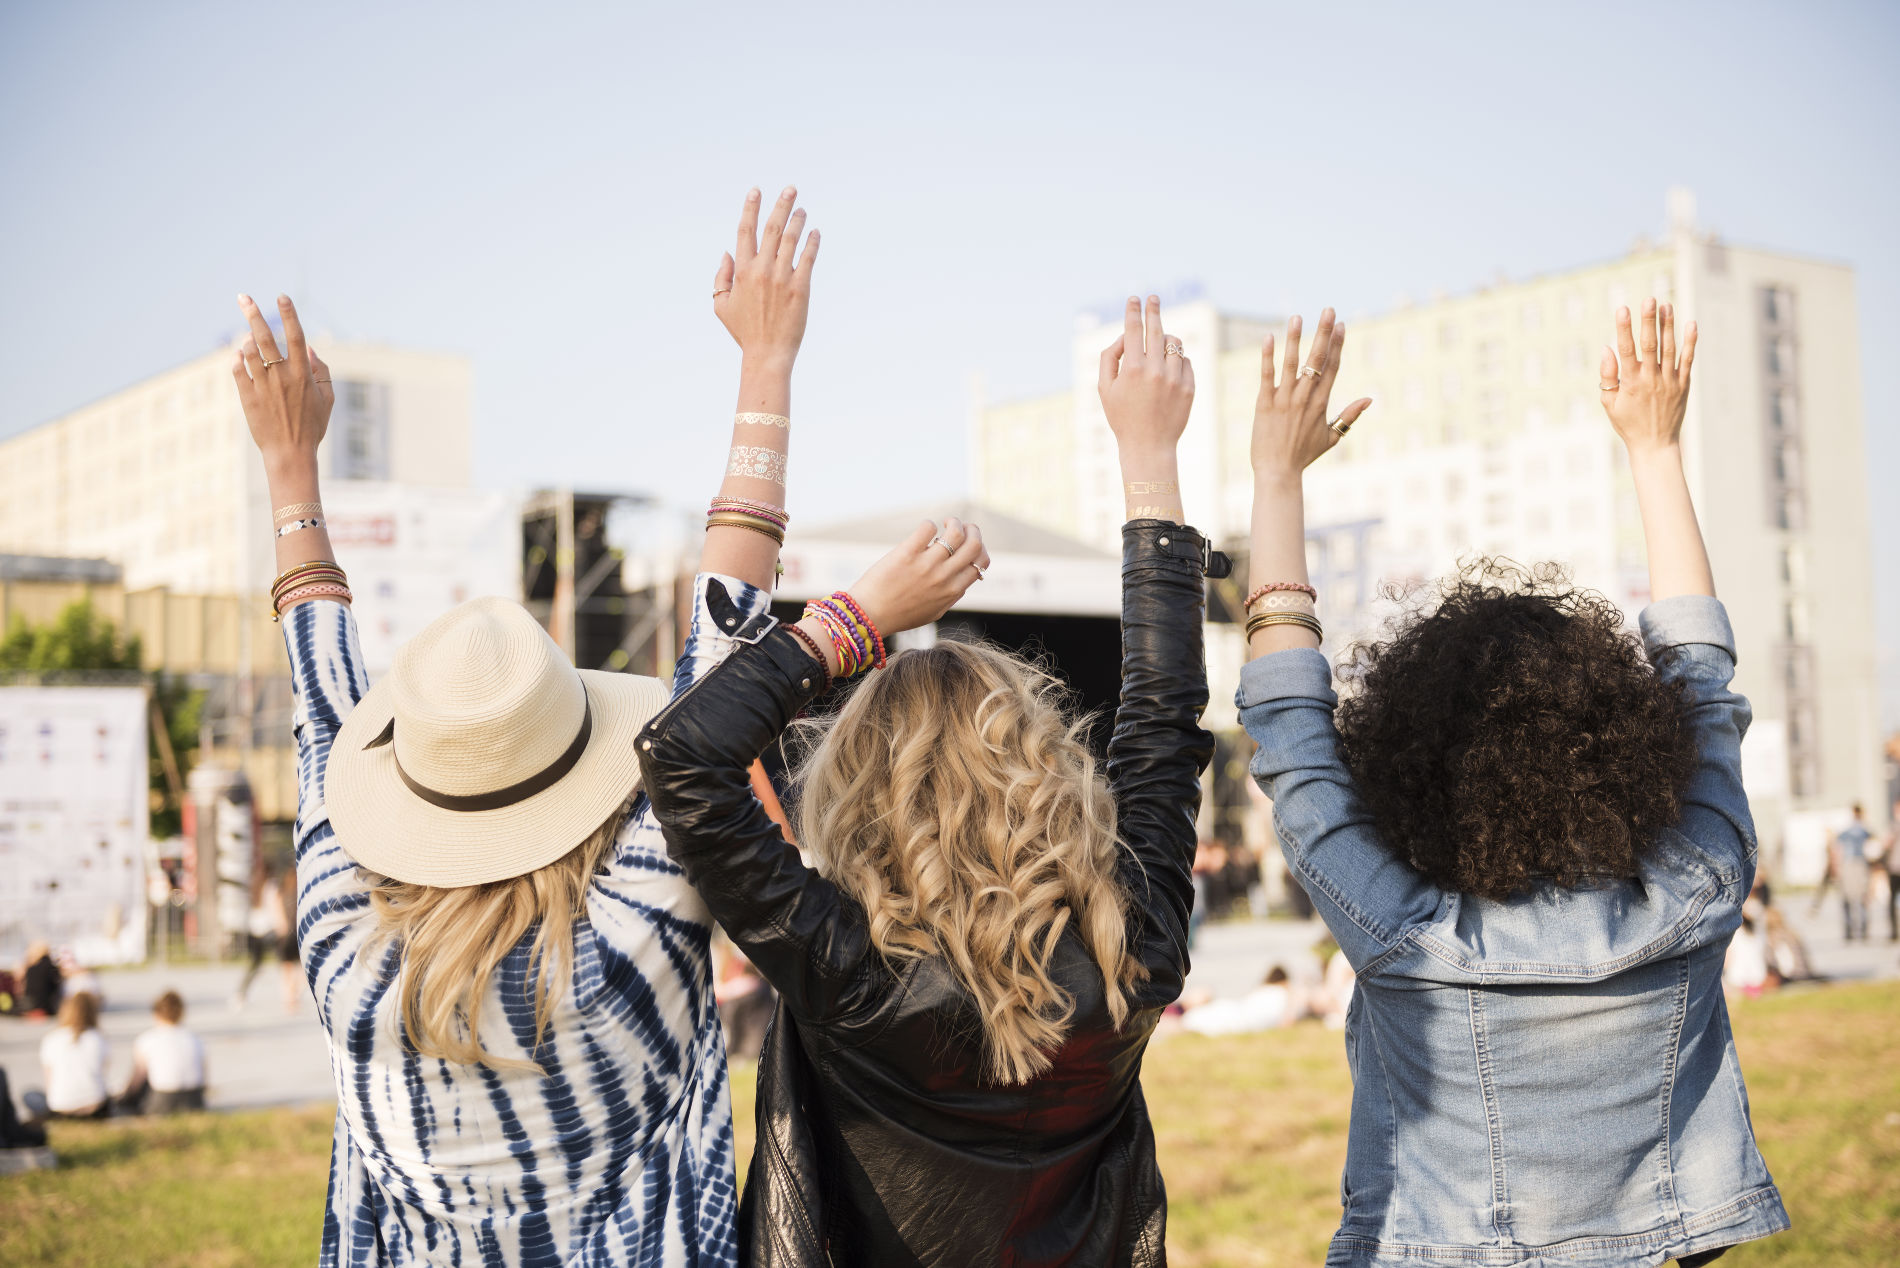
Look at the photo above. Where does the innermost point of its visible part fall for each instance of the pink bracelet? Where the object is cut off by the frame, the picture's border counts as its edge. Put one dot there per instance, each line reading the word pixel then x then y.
pixel 1272 586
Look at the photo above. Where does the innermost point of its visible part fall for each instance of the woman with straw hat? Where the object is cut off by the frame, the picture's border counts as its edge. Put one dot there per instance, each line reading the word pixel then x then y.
pixel 513 976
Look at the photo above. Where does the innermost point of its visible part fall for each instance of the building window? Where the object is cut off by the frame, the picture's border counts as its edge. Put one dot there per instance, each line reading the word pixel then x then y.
pixel 360 427
pixel 1532 318
pixel 1447 334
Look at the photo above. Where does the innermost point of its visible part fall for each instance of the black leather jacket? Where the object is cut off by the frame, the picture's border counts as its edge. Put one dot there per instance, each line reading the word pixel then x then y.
pixel 879 1141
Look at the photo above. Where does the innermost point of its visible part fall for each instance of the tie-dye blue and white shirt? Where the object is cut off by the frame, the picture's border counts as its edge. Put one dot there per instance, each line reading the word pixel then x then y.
pixel 622 1153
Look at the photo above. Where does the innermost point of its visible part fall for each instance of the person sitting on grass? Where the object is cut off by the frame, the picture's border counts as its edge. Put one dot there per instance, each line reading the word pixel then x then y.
pixel 168 1063
pixel 73 1063
pixel 1531 842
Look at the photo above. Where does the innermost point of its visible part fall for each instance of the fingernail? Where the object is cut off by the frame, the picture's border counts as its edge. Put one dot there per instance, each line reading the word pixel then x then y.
pixel 243 299
pixel 752 194
pixel 284 300
pixel 788 192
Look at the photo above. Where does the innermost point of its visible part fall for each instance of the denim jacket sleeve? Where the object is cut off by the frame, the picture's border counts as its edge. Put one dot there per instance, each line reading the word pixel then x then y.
pixel 1690 643
pixel 1368 896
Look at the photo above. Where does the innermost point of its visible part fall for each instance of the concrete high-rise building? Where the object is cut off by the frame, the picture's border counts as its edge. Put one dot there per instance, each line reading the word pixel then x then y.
pixel 162 477
pixel 1486 437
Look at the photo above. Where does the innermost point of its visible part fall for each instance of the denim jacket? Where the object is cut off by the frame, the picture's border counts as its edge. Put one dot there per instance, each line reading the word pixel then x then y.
pixel 1548 1080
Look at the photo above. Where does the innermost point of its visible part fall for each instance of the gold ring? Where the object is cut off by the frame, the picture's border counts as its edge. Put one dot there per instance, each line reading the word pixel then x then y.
pixel 315 379
pixel 269 363
pixel 1309 369
pixel 727 291
pixel 1609 387
pixel 1339 426
pixel 979 571
pixel 1173 349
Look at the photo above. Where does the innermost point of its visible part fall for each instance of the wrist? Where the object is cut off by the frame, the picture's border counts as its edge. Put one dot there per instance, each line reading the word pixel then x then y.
pixel 296 468
pixel 1656 453
pixel 767 364
pixel 1272 480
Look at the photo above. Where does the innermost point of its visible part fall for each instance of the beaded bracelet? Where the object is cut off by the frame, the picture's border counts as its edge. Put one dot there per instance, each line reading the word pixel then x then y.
pixel 877 639
pixel 1271 586
pixel 811 645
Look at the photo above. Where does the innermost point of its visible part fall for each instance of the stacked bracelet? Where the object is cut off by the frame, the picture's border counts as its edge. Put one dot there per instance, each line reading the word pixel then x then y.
pixel 1265 620
pixel 853 636
pixel 811 645
pixel 760 517
pixel 318 578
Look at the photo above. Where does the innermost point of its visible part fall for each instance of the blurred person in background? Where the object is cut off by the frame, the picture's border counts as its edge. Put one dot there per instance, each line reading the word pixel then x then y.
pixel 969 976
pixel 168 1063
pixel 513 978
pixel 265 926
pixel 1848 854
pixel 1890 863
pixel 73 1064
pixel 42 986
pixel 1528 834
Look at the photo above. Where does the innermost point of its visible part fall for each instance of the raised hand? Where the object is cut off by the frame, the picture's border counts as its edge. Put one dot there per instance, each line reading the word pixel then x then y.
pixel 286 395
pixel 1648 400
pixel 762 290
pixel 1290 429
pixel 921 578
pixel 1146 383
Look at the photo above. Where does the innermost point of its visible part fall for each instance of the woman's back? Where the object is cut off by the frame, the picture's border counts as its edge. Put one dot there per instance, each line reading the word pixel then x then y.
pixel 597 1159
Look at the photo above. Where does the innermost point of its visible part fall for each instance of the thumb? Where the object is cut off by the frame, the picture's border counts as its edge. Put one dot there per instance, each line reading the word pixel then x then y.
pixel 1111 363
pixel 1606 366
pixel 722 277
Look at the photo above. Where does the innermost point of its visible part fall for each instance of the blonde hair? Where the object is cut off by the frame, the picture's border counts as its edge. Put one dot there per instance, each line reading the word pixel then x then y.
pixel 956 801
pixel 80 1012
pixel 452 939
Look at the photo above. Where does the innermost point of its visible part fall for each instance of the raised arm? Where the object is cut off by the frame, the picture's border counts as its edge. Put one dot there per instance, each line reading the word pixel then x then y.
pixel 1685 629
pixel 1366 894
pixel 1159 748
pixel 761 293
pixel 286 396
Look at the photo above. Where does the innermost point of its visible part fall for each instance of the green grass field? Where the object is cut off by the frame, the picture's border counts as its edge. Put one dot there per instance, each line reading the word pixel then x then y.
pixel 1252 1135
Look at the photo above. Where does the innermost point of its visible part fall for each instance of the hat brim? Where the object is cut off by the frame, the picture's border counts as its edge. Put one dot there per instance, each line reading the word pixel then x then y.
pixel 389 830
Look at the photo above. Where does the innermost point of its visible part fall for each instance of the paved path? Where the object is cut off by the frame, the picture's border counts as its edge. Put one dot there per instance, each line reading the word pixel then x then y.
pixel 262 1055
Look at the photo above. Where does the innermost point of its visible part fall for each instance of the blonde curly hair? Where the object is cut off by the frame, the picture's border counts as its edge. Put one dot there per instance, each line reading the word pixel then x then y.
pixel 954 798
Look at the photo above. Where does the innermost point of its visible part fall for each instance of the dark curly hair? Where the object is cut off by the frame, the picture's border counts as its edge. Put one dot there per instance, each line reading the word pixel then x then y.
pixel 1513 732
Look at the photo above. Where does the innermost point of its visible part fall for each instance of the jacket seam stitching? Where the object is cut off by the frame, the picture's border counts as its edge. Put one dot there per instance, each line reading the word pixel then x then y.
pixel 1494 1125
pixel 1359 918
pixel 1679 1014
pixel 1609 968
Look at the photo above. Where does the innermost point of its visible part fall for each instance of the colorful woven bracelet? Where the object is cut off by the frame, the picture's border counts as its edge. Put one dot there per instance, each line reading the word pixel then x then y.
pixel 848 626
pixel 311 578
pixel 745 506
pixel 854 650
pixel 841 642
pixel 877 639
pixel 325 572
pixel 867 637
pixel 811 645
pixel 318 591
pixel 1271 586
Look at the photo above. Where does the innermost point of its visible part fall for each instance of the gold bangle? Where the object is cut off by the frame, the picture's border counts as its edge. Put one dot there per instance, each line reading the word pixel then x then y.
pixel 720 521
pixel 294 569
pixel 1265 620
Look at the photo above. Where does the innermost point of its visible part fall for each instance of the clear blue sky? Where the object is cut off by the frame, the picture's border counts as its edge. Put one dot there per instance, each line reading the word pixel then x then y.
pixel 546 189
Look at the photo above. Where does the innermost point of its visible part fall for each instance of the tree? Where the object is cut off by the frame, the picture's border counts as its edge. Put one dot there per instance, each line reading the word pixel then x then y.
pixel 80 641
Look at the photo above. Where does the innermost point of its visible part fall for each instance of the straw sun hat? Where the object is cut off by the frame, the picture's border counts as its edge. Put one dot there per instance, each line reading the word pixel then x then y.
pixel 483 754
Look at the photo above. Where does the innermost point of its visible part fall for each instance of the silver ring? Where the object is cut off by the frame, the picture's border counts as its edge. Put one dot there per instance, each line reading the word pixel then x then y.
pixel 1609 387
pixel 979 571
pixel 1173 349
pixel 948 549
pixel 1309 369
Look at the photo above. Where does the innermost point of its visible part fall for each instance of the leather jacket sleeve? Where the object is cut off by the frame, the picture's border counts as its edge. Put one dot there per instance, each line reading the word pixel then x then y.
pixel 1159 748
pixel 805 936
